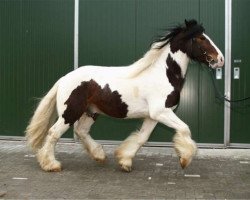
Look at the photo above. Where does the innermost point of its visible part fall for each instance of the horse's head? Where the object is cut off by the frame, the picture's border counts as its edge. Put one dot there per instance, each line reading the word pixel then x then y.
pixel 202 49
pixel 191 40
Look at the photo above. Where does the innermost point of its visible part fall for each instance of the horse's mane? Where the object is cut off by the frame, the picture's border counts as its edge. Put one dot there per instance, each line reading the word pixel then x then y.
pixel 146 61
pixel 191 29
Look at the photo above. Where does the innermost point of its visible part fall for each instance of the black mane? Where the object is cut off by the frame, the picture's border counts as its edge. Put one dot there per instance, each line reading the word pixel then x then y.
pixel 189 30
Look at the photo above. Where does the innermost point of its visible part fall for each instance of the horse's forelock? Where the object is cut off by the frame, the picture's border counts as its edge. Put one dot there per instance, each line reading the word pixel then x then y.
pixel 193 31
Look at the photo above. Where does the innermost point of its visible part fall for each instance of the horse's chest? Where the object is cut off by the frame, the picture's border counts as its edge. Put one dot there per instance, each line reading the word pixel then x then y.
pixel 176 79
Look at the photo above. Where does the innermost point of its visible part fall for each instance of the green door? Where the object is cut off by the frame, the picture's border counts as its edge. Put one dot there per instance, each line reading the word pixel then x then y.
pixel 36 41
pixel 121 33
pixel 240 112
pixel 36 48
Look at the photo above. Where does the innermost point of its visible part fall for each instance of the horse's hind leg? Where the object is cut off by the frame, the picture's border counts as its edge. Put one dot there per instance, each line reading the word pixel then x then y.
pixel 127 150
pixel 82 128
pixel 46 155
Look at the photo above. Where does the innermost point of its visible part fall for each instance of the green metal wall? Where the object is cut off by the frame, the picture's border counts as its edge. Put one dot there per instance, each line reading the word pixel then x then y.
pixel 211 110
pixel 118 32
pixel 240 112
pixel 36 48
pixel 107 37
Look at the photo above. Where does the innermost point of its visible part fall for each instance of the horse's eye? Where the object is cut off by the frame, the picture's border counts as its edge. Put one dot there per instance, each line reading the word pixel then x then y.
pixel 202 38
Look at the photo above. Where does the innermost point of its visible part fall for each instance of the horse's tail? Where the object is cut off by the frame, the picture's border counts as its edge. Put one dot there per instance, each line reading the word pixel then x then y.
pixel 42 120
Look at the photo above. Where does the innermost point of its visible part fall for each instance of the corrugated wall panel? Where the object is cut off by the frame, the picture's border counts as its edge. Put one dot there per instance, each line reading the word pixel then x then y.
pixel 240 112
pixel 36 40
pixel 211 110
pixel 107 38
pixel 38 49
pixel 106 32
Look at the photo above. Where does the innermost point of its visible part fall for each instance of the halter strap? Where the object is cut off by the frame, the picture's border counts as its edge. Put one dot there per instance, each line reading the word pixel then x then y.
pixel 209 59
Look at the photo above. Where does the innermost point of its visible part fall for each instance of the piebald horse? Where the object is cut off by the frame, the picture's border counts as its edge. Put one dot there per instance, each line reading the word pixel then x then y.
pixel 149 89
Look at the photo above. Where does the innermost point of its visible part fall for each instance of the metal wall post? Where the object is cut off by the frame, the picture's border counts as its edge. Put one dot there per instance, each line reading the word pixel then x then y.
pixel 228 40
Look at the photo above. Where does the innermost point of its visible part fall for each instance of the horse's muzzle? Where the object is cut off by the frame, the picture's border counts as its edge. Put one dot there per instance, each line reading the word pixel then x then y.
pixel 218 62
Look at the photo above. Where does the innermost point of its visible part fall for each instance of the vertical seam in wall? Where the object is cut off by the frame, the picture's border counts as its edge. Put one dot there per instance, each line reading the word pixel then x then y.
pixel 136 10
pixel 199 10
pixel 76 34
pixel 199 74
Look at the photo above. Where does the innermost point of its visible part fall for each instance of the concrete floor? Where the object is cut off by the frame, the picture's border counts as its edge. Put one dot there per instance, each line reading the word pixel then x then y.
pixel 213 174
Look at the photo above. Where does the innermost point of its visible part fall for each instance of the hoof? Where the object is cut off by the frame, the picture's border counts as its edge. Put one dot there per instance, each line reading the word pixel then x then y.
pixel 98 155
pixel 102 160
pixel 126 164
pixel 184 162
pixel 124 161
pixel 126 168
pixel 51 167
pixel 56 169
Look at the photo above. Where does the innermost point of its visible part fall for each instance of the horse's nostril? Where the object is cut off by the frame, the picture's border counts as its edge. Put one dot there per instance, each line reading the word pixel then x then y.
pixel 221 59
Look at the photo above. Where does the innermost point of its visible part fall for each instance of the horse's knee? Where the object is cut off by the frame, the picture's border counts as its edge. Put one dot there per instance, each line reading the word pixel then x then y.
pixel 184 130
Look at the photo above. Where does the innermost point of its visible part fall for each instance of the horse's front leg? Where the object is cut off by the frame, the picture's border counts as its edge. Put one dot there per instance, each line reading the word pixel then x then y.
pixel 127 150
pixel 185 147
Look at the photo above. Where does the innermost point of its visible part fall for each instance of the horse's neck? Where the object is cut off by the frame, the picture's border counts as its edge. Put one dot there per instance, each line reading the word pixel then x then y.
pixel 179 57
pixel 156 58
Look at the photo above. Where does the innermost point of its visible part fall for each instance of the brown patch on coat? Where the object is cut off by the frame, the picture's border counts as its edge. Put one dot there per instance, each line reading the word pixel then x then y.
pixel 172 99
pixel 202 50
pixel 175 78
pixel 90 93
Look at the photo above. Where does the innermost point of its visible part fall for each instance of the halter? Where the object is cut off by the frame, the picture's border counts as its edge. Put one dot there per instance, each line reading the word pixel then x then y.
pixel 209 58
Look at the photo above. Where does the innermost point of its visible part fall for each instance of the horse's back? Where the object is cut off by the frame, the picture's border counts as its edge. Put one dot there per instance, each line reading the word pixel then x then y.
pixel 106 86
pixel 101 76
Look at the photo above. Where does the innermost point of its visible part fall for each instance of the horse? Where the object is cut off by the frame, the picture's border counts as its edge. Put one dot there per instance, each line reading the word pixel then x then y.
pixel 149 88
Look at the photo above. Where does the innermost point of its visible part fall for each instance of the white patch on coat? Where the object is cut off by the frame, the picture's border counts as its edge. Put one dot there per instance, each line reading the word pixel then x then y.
pixel 182 60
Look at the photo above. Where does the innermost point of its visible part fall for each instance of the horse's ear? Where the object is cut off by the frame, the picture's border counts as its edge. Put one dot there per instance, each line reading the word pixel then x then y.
pixel 186 22
pixel 190 23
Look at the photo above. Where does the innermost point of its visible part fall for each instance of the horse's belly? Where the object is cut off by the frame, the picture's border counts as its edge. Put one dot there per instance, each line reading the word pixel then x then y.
pixel 122 109
pixel 138 109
